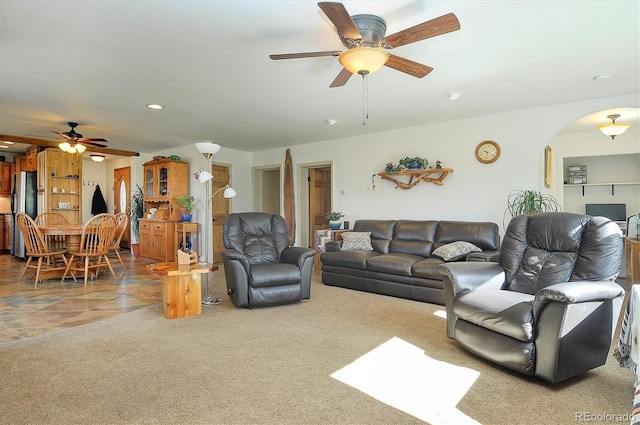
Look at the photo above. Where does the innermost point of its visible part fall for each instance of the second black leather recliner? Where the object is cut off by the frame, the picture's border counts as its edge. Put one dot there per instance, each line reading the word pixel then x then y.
pixel 550 305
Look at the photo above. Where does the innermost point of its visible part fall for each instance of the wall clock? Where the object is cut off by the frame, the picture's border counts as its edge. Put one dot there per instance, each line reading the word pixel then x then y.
pixel 487 152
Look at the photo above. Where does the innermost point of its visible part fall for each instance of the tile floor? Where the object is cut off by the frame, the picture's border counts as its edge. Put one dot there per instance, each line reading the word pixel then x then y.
pixel 26 311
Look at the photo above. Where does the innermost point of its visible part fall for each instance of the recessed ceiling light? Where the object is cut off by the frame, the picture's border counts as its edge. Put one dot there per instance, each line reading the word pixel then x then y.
pixel 8 143
pixel 331 122
pixel 154 106
pixel 453 95
pixel 602 77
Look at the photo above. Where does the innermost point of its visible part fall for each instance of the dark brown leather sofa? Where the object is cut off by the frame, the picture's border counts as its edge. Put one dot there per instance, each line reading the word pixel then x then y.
pixel 401 264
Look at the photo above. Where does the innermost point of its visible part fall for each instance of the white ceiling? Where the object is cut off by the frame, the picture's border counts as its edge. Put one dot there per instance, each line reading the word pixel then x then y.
pixel 100 63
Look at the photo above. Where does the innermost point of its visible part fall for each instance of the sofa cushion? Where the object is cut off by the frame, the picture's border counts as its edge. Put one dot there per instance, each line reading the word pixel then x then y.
pixel 428 268
pixel 381 232
pixel 356 240
pixel 397 263
pixel 455 251
pixel 355 259
pixel 274 274
pixel 506 312
pixel 414 237
pixel 484 235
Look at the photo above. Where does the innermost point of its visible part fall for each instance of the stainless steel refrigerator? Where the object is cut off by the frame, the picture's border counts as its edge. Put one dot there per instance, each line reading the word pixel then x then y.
pixel 24 199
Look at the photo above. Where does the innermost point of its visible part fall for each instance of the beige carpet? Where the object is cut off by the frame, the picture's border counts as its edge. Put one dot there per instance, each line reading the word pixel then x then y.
pixel 275 366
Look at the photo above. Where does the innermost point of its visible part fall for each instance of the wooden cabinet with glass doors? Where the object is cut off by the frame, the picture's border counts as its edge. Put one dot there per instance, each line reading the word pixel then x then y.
pixel 164 179
pixel 59 184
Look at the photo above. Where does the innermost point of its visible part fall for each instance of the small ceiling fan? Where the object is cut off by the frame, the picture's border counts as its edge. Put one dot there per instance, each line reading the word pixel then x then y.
pixel 364 35
pixel 73 137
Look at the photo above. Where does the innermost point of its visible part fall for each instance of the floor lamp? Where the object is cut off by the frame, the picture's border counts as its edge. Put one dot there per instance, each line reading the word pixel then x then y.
pixel 208 149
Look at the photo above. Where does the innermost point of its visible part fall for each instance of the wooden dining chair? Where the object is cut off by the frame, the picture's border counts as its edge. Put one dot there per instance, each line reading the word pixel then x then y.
pixel 92 255
pixel 47 259
pixel 56 242
pixel 122 223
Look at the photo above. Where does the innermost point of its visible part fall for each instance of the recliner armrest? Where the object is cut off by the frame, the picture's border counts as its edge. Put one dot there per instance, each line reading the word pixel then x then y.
pixel 232 254
pixel 296 255
pixel 576 292
pixel 332 246
pixel 473 275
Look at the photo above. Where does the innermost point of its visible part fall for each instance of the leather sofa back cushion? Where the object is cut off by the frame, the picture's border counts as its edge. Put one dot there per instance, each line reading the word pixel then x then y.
pixel 484 235
pixel 545 249
pixel 261 237
pixel 381 232
pixel 414 237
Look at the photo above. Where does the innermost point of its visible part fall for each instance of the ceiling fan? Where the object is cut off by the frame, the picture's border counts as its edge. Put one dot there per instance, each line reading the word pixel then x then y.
pixel 73 138
pixel 364 36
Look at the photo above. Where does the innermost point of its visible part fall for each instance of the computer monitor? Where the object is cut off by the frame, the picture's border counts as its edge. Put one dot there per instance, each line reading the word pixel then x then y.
pixel 615 212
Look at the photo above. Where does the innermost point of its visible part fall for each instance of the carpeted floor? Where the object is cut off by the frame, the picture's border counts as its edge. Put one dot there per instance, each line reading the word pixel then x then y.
pixel 329 360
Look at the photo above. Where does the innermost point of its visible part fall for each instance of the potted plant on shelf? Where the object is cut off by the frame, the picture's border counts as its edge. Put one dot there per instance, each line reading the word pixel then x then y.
pixel 136 212
pixel 527 202
pixel 187 204
pixel 333 218
pixel 415 163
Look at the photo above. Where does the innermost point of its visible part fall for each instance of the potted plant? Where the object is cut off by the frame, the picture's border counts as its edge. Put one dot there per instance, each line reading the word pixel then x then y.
pixel 136 212
pixel 187 204
pixel 415 163
pixel 333 218
pixel 526 202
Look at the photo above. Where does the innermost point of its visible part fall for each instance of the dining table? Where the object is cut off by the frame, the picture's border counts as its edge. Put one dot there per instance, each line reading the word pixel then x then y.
pixel 72 233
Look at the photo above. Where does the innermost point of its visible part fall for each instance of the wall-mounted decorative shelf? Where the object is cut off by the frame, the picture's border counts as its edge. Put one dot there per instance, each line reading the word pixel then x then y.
pixel 430 175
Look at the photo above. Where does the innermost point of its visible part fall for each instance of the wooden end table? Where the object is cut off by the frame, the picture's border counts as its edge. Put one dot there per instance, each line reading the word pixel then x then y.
pixel 181 288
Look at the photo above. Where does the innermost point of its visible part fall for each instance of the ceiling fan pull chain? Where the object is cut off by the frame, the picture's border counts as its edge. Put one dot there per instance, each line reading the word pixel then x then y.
pixel 365 101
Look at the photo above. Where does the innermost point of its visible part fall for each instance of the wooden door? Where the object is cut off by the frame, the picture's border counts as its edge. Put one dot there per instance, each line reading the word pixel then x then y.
pixel 219 208
pixel 122 199
pixel 319 200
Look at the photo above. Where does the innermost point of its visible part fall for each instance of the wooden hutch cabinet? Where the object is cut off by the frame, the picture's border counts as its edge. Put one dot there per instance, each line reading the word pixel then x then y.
pixel 59 184
pixel 164 179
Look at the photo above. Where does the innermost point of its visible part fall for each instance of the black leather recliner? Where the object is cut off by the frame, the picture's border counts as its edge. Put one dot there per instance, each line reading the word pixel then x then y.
pixel 260 267
pixel 550 305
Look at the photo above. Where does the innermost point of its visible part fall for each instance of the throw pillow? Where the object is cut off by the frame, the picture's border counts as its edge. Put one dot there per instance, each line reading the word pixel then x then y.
pixel 356 240
pixel 455 250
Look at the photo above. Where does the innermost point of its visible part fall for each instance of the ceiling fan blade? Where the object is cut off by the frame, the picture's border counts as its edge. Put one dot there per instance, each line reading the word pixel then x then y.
pixel 438 26
pixel 95 144
pixel 91 139
pixel 61 134
pixel 304 55
pixel 342 78
pixel 337 14
pixel 407 66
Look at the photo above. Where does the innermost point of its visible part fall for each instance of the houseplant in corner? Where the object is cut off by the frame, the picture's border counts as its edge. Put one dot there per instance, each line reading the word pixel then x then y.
pixel 521 202
pixel 136 211
pixel 187 204
pixel 334 219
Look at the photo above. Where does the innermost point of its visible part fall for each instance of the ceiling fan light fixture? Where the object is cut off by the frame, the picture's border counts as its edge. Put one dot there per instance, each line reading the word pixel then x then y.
pixel 612 130
pixel 363 60
pixel 80 148
pixel 96 158
pixel 64 146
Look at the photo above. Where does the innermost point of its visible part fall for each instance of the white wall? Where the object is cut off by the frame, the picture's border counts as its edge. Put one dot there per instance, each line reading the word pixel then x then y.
pixel 474 191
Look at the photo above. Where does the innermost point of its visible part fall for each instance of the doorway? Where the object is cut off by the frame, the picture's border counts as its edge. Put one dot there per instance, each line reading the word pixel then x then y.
pixel 121 199
pixel 315 194
pixel 268 187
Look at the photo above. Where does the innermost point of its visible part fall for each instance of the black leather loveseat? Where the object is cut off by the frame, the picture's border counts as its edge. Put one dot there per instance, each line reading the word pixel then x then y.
pixel 401 261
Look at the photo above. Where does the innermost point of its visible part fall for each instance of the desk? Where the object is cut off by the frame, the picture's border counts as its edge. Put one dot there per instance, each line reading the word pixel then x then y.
pixel 71 232
pixel 181 287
